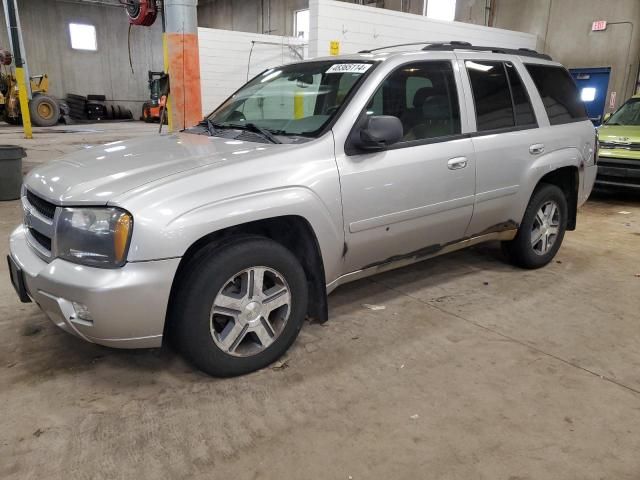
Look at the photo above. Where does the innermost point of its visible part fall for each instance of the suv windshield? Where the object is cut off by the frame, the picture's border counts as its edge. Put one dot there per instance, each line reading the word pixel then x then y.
pixel 629 114
pixel 299 99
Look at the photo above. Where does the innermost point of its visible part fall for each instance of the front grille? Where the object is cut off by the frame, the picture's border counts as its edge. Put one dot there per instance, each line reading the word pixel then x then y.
pixel 43 240
pixel 44 208
pixel 631 146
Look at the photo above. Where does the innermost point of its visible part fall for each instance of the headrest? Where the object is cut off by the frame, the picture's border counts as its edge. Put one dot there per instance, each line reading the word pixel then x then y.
pixel 421 95
pixel 436 108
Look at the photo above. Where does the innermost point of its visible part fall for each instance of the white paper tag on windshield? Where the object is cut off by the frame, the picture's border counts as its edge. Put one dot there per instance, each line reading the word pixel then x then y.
pixel 349 68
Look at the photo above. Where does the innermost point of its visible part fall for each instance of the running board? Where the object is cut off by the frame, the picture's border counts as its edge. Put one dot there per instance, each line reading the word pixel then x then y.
pixel 418 256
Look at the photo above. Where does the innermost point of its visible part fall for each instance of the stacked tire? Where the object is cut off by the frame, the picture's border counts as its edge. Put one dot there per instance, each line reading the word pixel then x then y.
pixel 94 108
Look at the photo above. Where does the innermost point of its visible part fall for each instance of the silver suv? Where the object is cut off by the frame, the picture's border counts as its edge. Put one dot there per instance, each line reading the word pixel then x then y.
pixel 225 236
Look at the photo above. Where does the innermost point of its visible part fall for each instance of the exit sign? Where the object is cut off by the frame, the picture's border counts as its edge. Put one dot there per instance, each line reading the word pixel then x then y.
pixel 599 25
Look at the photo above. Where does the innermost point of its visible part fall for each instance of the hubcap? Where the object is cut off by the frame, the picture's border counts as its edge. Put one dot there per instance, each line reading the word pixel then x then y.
pixel 250 311
pixel 45 110
pixel 546 226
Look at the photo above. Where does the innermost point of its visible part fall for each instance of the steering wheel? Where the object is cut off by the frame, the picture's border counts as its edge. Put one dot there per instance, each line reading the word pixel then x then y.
pixel 332 110
pixel 236 116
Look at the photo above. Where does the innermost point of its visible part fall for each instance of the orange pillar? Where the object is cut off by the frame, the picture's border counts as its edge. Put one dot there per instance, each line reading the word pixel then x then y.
pixel 181 19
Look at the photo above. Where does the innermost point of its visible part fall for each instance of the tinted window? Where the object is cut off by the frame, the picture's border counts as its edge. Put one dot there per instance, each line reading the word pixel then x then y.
pixel 559 94
pixel 491 95
pixel 423 96
pixel 521 102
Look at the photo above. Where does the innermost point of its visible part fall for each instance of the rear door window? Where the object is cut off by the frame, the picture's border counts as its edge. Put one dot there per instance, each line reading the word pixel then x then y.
pixel 521 101
pixel 491 95
pixel 559 93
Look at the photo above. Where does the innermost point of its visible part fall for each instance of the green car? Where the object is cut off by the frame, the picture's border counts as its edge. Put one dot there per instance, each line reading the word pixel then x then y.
pixel 619 135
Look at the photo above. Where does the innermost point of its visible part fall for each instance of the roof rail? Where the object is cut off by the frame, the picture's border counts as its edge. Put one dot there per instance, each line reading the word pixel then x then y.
pixel 393 46
pixel 450 46
pixel 458 45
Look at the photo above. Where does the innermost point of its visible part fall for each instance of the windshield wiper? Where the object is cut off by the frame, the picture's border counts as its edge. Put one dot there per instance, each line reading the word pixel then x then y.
pixel 211 126
pixel 252 127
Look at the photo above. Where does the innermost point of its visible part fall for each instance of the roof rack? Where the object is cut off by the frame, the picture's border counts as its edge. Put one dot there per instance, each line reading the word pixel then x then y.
pixel 458 45
pixel 393 46
pixel 450 46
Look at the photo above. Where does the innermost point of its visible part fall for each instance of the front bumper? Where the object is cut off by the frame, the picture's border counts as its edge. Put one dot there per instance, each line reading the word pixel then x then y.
pixel 618 172
pixel 128 305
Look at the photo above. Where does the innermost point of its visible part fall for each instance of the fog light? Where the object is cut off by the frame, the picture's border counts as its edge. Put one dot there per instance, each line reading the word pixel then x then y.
pixel 82 312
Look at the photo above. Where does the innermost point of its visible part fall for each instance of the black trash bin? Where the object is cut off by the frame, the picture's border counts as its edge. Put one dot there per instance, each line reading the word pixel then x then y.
pixel 11 171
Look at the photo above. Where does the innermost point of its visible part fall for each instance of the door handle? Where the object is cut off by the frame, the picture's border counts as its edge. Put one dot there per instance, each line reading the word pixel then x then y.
pixel 457 163
pixel 536 149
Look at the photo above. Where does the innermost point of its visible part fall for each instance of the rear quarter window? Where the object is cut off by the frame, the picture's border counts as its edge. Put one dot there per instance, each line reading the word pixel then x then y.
pixel 559 94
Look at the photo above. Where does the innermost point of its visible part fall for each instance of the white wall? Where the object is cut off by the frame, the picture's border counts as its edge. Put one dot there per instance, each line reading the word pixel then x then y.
pixel 359 28
pixel 224 54
pixel 224 61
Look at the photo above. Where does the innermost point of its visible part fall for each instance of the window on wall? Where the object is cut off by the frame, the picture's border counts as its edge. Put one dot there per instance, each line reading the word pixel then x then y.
pixel 301 24
pixel 441 9
pixel 83 37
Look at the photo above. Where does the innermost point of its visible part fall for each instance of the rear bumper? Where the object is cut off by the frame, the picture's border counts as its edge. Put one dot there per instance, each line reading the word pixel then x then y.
pixel 127 305
pixel 618 172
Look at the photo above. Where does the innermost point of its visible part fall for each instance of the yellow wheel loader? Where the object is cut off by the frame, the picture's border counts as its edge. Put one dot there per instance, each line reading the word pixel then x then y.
pixel 43 108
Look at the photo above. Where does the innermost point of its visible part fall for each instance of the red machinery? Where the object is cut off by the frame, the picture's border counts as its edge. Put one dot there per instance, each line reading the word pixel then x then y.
pixel 141 12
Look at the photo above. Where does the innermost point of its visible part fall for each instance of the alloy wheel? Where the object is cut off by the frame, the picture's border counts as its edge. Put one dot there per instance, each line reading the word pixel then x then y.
pixel 250 311
pixel 545 228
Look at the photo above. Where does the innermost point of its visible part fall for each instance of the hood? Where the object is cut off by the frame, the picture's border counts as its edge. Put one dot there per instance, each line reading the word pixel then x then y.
pixel 98 174
pixel 620 141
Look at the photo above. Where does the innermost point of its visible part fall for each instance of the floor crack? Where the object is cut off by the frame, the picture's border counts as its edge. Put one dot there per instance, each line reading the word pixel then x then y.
pixel 510 338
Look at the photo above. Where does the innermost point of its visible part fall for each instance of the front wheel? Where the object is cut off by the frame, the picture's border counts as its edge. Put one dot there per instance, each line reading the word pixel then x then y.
pixel 542 229
pixel 240 306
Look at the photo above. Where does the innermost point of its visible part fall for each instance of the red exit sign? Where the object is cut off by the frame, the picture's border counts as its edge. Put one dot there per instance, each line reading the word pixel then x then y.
pixel 599 25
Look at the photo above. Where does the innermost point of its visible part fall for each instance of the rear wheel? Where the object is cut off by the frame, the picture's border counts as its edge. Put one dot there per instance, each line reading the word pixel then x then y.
pixel 542 229
pixel 44 111
pixel 240 306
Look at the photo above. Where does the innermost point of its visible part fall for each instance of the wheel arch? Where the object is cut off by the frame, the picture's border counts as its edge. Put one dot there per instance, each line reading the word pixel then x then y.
pixel 561 168
pixel 567 178
pixel 294 232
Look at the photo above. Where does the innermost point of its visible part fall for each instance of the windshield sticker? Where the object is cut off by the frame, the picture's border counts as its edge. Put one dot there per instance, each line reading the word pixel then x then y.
pixel 349 68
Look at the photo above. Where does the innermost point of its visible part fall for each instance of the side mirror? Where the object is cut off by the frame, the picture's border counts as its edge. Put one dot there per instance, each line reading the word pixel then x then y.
pixel 379 132
pixel 607 116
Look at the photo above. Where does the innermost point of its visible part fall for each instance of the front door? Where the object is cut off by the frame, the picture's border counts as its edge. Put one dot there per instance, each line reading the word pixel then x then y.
pixel 418 195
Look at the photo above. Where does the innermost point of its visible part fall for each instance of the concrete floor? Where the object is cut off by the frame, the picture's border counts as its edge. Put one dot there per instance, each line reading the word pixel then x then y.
pixel 474 370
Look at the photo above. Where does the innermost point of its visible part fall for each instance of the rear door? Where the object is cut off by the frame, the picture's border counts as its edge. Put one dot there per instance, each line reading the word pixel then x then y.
pixel 506 137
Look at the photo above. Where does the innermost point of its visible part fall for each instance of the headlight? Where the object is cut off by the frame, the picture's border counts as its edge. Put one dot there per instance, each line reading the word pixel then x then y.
pixel 97 237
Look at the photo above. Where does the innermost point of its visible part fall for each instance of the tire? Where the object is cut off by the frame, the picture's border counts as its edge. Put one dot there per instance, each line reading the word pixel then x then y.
pixel 44 111
pixel 224 341
pixel 528 252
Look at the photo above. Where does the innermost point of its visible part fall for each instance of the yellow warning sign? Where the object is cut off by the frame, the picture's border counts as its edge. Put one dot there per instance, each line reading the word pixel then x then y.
pixel 334 47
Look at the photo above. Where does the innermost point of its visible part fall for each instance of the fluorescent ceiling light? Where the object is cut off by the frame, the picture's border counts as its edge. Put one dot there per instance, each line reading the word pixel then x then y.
pixel 478 66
